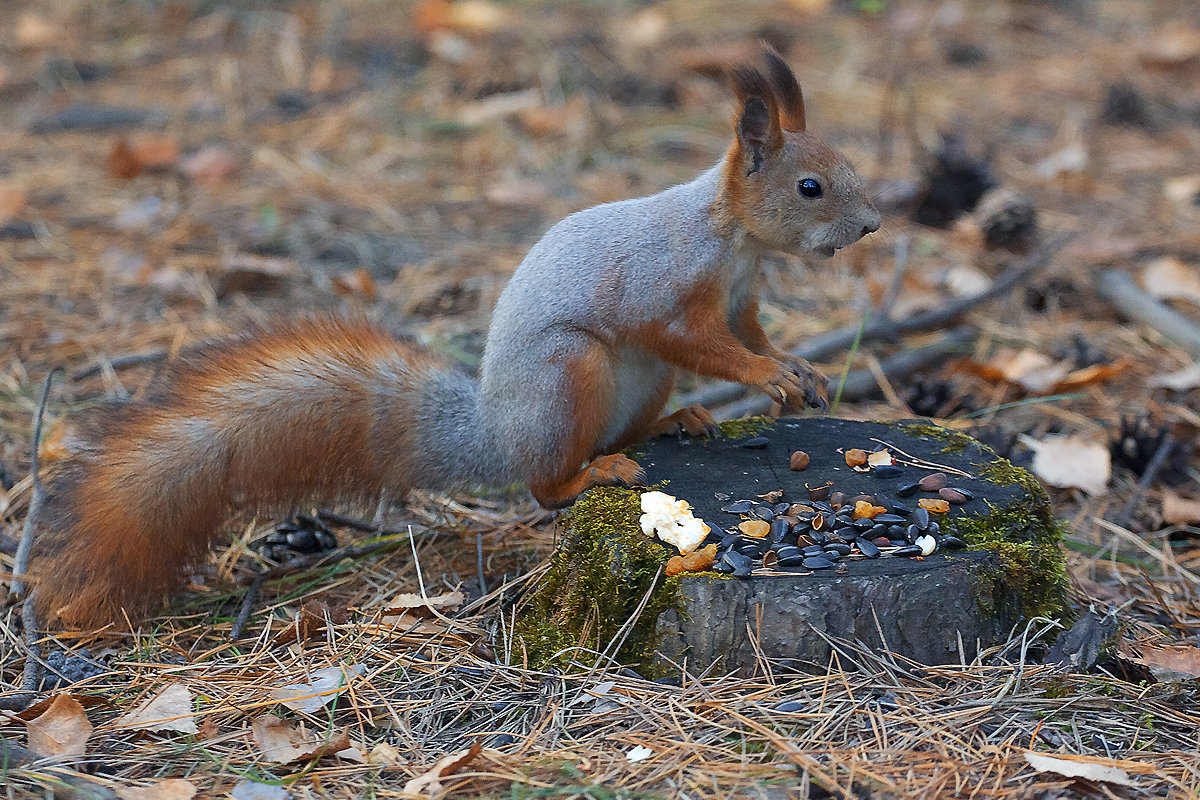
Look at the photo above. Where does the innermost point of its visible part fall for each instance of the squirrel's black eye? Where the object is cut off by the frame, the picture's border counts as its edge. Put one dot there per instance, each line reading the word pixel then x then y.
pixel 810 188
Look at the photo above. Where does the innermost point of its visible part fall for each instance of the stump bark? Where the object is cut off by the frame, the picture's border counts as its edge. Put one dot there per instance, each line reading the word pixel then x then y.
pixel 937 609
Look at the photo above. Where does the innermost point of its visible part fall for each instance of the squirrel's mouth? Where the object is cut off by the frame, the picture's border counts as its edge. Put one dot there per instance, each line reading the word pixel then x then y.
pixel 825 251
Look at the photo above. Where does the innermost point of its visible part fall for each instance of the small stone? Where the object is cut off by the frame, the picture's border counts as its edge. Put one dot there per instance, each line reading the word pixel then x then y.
pixel 856 457
pixel 754 528
pixel 755 443
pixel 799 461
pixel 952 495
pixel 938 506
pixel 933 482
pixel 881 541
pixel 887 471
pixel 818 562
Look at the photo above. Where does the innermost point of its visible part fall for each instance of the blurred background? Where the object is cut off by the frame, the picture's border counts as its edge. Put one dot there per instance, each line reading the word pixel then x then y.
pixel 175 170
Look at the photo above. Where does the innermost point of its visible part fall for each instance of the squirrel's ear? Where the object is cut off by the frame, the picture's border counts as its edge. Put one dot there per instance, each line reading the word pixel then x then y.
pixel 758 131
pixel 787 91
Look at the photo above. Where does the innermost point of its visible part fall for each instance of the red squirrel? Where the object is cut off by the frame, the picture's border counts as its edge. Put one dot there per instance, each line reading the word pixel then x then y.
pixel 581 358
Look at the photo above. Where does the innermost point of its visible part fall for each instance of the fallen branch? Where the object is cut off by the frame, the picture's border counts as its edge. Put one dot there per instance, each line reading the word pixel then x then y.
pixel 882 328
pixel 1118 288
pixel 862 383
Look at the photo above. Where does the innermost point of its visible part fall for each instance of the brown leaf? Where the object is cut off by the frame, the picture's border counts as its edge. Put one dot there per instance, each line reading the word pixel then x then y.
pixel 310 622
pixel 122 163
pixel 280 742
pixel 1180 510
pixel 172 789
pixel 1172 663
pixel 62 730
pixel 209 166
pixel 357 283
pixel 169 710
pixel 12 203
pixel 209 729
pixel 413 603
pixel 430 782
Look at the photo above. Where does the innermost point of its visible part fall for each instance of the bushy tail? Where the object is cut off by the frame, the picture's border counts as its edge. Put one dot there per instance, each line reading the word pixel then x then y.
pixel 320 409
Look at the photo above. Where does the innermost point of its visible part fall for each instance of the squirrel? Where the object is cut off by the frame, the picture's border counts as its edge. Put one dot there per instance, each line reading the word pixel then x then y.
pixel 580 360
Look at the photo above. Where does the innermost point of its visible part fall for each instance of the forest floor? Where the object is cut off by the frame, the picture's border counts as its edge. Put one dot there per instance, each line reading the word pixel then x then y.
pixel 173 171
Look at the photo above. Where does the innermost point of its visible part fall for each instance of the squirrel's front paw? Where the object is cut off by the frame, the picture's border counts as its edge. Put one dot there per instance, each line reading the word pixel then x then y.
pixel 796 383
pixel 816 385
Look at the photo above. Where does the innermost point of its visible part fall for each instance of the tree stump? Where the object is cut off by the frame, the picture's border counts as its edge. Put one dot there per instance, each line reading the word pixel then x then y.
pixel 606 597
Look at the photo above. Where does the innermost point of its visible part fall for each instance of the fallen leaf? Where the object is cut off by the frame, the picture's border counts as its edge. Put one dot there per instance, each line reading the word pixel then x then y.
pixel 357 283
pixel 209 729
pixel 61 730
pixel 169 710
pixel 1171 46
pixel 325 685
pixel 310 621
pixel 244 273
pixel 1180 380
pixel 1071 462
pixel 430 782
pixel 171 789
pixel 282 743
pixel 209 166
pixel 121 162
pixel 639 753
pixel 253 790
pixel 383 754
pixel 1088 770
pixel 1180 510
pixel 964 280
pixel 1168 278
pixel 1033 371
pixel 425 606
pixel 1172 663
pixel 12 203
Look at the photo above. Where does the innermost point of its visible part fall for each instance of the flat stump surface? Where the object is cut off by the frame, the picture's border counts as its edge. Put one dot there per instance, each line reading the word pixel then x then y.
pixel 935 609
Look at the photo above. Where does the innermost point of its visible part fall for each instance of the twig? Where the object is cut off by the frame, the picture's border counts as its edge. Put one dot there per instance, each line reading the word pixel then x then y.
pixel 134 360
pixel 21 563
pixel 821 347
pixel 1119 289
pixel 248 601
pixel 863 383
pixel 1151 472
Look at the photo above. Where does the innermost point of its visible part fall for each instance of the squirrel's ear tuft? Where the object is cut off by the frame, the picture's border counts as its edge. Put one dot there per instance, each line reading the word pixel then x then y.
pixel 758 130
pixel 787 90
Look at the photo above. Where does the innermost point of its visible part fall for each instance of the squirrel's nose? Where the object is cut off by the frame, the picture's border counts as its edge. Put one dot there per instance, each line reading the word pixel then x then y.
pixel 869 229
pixel 872 222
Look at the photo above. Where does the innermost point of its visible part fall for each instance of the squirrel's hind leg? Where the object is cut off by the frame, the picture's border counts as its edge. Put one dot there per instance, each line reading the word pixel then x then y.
pixel 587 386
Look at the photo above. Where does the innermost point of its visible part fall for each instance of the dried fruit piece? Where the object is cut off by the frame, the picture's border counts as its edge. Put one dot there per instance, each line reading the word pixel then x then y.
pixel 866 510
pixel 938 506
pixel 856 457
pixel 696 561
pixel 881 458
pixel 799 461
pixel 754 528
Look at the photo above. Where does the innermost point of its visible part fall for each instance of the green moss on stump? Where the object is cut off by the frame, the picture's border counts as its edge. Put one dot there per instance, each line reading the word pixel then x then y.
pixel 1025 541
pixel 746 427
pixel 599 575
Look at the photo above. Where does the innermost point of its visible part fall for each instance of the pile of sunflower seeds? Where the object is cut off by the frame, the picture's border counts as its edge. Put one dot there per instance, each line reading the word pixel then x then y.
pixel 830 527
